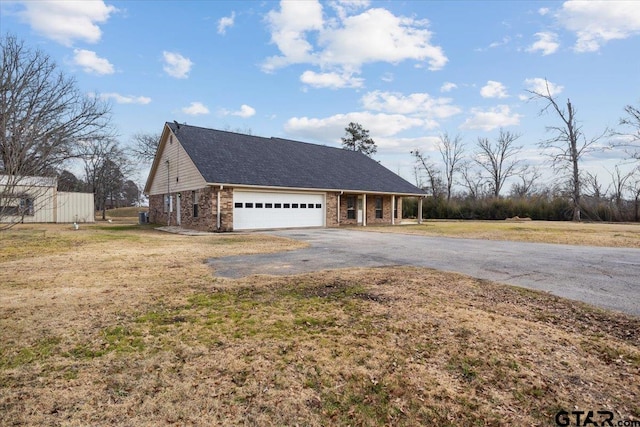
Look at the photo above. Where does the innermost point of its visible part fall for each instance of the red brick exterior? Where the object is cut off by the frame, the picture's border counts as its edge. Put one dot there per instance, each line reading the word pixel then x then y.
pixel 206 220
pixel 208 200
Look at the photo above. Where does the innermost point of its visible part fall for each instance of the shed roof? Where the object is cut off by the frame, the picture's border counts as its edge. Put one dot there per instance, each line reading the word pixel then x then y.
pixel 231 158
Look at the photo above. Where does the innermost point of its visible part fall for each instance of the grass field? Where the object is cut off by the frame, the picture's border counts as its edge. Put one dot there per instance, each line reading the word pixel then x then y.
pixel 593 234
pixel 119 324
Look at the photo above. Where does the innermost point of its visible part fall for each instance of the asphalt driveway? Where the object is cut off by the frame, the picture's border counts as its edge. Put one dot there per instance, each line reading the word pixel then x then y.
pixel 605 277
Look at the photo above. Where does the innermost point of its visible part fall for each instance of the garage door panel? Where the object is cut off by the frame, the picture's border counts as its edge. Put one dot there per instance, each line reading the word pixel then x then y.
pixel 256 210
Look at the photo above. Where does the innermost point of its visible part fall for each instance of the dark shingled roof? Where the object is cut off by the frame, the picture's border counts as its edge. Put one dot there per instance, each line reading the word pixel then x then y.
pixel 233 158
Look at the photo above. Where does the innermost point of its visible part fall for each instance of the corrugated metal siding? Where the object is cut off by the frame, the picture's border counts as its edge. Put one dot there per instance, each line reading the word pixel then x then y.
pixel 43 203
pixel 75 207
pixel 183 174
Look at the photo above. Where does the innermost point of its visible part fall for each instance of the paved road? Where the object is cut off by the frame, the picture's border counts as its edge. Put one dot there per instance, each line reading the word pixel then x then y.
pixel 606 277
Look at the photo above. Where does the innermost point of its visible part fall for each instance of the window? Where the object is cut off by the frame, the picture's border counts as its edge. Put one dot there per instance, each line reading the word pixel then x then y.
pixel 287 206
pixel 248 205
pixel 268 205
pixel 20 205
pixel 303 205
pixel 168 205
pixel 351 207
pixel 238 204
pixel 278 205
pixel 258 205
pixel 294 205
pixel 194 197
pixel 378 207
pixel 318 206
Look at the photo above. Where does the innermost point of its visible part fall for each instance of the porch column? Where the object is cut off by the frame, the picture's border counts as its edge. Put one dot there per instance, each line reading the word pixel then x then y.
pixel 393 209
pixel 420 210
pixel 338 209
pixel 364 210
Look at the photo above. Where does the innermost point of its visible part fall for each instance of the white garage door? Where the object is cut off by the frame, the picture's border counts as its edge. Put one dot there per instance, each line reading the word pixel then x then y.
pixel 255 210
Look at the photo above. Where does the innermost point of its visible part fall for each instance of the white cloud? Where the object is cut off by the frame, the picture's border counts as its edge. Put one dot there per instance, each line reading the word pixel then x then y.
pixel 92 63
pixel 344 43
pixel 344 7
pixel 330 129
pixel 547 43
pixel 330 80
pixel 493 118
pixel 67 21
pixel 418 104
pixel 245 111
pixel 387 77
pixel 226 22
pixel 195 109
pixel 405 145
pixel 377 35
pixel 503 42
pixel 540 85
pixel 543 11
pixel 176 65
pixel 597 22
pixel 126 99
pixel 448 87
pixel 494 89
pixel 288 28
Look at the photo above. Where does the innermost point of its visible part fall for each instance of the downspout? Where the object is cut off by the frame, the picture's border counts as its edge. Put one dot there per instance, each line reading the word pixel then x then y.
pixel 168 195
pixel 218 221
pixel 338 207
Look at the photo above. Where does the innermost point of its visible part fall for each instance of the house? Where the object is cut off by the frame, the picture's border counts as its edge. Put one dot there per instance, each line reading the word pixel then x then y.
pixel 222 181
pixel 36 199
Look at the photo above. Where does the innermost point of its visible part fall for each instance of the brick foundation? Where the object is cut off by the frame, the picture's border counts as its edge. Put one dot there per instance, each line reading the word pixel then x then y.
pixel 206 219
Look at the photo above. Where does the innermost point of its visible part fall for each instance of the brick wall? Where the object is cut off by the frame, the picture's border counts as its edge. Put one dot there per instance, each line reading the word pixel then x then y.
pixel 207 209
pixel 331 209
pixel 226 209
pixel 371 210
pixel 156 210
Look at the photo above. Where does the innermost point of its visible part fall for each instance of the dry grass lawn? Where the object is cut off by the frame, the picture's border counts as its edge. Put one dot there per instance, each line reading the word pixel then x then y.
pixel 124 325
pixel 624 235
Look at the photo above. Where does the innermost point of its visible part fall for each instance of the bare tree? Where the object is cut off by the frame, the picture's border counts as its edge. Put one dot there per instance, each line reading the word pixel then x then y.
pixel 472 180
pixel 106 167
pixel 357 139
pixel 631 137
pixel 144 146
pixel 499 160
pixel 434 181
pixel 593 186
pixel 527 185
pixel 568 145
pixel 619 186
pixel 43 118
pixel 452 152
pixel 634 187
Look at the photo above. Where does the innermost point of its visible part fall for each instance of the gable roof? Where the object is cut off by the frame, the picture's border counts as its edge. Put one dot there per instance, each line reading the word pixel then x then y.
pixel 232 158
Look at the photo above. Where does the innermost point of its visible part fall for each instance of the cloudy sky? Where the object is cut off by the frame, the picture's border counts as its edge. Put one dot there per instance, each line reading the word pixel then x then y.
pixel 406 70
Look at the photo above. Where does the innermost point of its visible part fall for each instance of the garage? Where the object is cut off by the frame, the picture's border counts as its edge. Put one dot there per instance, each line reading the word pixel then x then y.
pixel 263 210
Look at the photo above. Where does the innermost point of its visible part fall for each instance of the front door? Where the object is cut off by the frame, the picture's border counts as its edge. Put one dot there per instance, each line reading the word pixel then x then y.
pixel 359 210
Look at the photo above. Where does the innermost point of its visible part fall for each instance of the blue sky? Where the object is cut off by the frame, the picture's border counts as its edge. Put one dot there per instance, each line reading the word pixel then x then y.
pixel 406 70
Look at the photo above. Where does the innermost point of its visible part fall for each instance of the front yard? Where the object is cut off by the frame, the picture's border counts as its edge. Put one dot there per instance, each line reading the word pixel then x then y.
pixel 119 324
